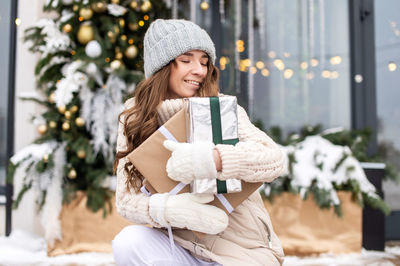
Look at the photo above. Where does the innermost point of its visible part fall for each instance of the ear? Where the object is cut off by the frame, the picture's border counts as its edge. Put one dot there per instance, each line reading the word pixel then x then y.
pixel 170 145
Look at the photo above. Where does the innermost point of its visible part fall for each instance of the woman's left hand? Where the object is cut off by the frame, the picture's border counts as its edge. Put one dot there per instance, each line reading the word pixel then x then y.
pixel 190 161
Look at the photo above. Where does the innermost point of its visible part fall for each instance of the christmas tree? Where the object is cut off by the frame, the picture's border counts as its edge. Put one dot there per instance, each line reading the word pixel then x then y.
pixel 90 61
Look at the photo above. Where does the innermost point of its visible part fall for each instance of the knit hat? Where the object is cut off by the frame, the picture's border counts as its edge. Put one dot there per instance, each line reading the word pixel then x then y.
pixel 167 39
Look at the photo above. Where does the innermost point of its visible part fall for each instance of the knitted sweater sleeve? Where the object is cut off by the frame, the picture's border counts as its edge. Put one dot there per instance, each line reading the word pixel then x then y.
pixel 131 205
pixel 255 158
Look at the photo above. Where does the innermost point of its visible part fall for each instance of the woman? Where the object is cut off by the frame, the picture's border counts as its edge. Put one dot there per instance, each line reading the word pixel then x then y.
pixel 179 62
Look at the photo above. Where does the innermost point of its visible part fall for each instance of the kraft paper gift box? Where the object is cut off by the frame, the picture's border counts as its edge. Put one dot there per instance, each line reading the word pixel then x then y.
pixel 151 157
pixel 213 119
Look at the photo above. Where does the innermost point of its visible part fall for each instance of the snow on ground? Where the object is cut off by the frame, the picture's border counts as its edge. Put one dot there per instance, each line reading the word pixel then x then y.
pixel 22 249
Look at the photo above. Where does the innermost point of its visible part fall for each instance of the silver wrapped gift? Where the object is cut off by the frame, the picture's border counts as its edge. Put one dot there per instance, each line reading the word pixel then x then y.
pixel 213 119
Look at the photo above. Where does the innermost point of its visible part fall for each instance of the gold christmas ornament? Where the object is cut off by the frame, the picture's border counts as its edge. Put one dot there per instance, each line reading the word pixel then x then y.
pixel 146 6
pixel 61 109
pixel 133 26
pixel 42 129
pixel 67 28
pixel 67 114
pixel 204 5
pixel 52 97
pixel 45 158
pixel 99 7
pixel 66 126
pixel 73 109
pixel 85 33
pixel 116 64
pixel 72 174
pixel 86 13
pixel 52 124
pixel 79 121
pixel 118 56
pixel 115 2
pixel 112 36
pixel 81 154
pixel 131 52
pixel 133 4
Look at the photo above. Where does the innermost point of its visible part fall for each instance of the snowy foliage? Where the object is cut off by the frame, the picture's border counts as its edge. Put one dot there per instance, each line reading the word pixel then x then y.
pixel 100 110
pixel 73 80
pixel 54 40
pixel 316 161
pixel 53 202
pixel 50 181
pixel 116 10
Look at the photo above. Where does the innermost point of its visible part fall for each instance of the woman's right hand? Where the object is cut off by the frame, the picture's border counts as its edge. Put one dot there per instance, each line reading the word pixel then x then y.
pixel 190 161
pixel 189 211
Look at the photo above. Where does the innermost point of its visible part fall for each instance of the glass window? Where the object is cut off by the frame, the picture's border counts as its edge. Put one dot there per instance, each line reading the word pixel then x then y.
pixel 5 11
pixel 289 63
pixel 387 45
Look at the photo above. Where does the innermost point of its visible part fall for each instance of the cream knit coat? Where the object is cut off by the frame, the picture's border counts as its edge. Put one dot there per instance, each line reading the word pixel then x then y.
pixel 249 238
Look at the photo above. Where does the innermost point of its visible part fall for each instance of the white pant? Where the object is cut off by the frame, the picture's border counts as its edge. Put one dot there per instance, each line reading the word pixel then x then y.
pixel 141 245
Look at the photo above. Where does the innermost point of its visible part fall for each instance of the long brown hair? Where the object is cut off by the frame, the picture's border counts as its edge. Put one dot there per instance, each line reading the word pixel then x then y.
pixel 140 121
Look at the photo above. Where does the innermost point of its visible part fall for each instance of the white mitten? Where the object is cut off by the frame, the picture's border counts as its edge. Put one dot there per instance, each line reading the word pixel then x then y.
pixel 188 211
pixel 190 161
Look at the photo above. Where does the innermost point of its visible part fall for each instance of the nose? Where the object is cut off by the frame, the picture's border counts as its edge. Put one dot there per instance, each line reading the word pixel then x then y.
pixel 199 69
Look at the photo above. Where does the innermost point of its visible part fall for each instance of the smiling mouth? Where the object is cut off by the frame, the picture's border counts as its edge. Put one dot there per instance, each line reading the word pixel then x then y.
pixel 193 82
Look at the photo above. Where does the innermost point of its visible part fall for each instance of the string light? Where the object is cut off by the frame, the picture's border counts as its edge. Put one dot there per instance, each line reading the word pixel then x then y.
pixel 314 62
pixel 204 5
pixel 288 73
pixel 334 75
pixel 141 23
pixel 286 54
pixel 335 60
pixel 242 68
pixel 310 75
pixel 260 64
pixel 326 74
pixel 279 64
pixel 265 72
pixel 253 70
pixel 223 61
pixel 240 46
pixel 17 21
pixel 304 65
pixel 271 54
pixel 246 62
pixel 392 66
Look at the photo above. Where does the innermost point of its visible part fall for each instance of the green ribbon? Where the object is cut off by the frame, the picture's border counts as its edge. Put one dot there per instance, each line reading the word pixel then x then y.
pixel 217 135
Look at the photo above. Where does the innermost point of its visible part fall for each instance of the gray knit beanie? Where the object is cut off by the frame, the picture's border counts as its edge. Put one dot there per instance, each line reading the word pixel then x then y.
pixel 167 39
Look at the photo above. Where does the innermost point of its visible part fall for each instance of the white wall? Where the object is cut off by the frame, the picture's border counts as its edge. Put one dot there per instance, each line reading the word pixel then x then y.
pixel 29 11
